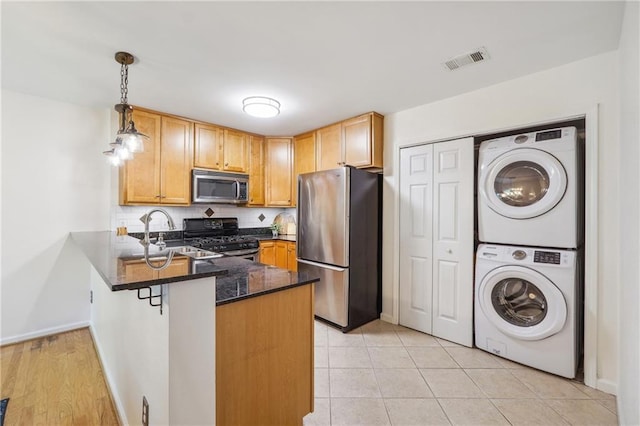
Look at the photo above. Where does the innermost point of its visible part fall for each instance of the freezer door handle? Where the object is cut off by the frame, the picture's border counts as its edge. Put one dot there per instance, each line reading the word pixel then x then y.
pixel 322 265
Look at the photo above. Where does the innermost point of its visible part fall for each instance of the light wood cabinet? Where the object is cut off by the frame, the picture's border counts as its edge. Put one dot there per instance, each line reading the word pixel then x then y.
pixel 235 151
pixel 355 142
pixel 362 139
pixel 292 260
pixel 282 256
pixel 278 164
pixel 138 270
pixel 208 146
pixel 329 147
pixel 279 253
pixel 220 149
pixel 256 171
pixel 264 372
pixel 268 252
pixel 304 160
pixel 162 173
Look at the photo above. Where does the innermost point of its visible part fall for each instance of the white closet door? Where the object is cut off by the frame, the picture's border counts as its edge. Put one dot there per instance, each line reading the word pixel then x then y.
pixel 453 208
pixel 416 190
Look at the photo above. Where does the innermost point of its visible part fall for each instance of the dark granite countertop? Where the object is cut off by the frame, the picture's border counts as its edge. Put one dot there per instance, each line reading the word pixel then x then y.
pixel 281 237
pixel 120 261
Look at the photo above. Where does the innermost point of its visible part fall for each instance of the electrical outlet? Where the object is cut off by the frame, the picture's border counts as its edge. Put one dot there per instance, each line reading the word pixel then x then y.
pixel 145 411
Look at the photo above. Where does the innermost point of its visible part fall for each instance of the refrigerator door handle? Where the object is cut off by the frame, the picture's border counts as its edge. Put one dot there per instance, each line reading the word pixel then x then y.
pixel 322 265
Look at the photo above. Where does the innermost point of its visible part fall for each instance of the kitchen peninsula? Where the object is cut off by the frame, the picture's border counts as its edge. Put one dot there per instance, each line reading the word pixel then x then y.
pixel 228 342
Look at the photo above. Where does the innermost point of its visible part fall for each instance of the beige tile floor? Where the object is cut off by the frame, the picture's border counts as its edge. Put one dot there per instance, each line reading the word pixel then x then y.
pixel 383 374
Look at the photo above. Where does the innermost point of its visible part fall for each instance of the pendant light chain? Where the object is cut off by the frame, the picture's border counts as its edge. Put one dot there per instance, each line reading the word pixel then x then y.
pixel 124 82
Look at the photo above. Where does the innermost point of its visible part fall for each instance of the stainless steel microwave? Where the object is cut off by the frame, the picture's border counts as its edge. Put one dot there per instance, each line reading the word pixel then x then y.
pixel 219 187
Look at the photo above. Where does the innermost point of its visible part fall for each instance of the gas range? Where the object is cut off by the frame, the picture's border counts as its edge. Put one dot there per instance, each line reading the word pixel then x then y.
pixel 219 235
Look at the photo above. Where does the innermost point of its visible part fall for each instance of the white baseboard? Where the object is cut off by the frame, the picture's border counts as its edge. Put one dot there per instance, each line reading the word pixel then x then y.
pixel 108 380
pixel 41 333
pixel 607 386
pixel 387 318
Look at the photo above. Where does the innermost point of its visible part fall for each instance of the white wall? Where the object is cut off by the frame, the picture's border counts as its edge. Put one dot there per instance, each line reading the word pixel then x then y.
pixel 54 180
pixel 629 386
pixel 569 90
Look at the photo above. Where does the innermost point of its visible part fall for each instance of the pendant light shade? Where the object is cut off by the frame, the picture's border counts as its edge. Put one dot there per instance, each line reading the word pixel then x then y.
pixel 258 106
pixel 128 139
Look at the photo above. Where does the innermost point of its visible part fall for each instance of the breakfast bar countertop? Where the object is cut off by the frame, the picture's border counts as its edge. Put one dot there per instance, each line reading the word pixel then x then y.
pixel 121 262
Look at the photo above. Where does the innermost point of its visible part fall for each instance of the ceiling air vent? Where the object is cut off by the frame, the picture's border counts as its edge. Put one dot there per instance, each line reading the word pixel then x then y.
pixel 467 59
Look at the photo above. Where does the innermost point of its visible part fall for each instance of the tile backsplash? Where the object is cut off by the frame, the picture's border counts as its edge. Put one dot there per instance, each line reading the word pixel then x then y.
pixel 129 216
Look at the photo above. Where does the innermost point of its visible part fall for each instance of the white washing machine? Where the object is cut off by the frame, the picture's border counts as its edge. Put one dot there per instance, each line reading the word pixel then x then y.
pixel 528 306
pixel 530 189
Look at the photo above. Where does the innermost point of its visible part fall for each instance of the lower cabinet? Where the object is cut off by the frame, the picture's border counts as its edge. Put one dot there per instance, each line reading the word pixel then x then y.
pixel 279 253
pixel 138 270
pixel 264 359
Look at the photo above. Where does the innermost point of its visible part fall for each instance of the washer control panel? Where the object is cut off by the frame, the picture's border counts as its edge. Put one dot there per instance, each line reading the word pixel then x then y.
pixel 552 257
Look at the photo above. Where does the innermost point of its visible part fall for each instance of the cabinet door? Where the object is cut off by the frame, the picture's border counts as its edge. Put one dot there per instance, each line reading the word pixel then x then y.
pixel 235 151
pixel 304 160
pixel 278 172
pixel 362 138
pixel 175 161
pixel 208 146
pixel 137 270
pixel 179 266
pixel 140 176
pixel 329 147
pixel 282 254
pixel 292 261
pixel 256 171
pixel 268 252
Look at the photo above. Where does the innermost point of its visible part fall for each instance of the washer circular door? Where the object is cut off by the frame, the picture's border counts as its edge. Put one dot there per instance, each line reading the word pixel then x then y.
pixel 522 303
pixel 523 183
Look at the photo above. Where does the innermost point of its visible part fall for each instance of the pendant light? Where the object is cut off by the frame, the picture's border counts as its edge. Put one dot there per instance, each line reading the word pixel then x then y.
pixel 128 139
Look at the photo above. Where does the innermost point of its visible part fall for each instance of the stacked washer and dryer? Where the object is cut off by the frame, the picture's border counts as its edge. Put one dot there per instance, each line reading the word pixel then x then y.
pixel 528 285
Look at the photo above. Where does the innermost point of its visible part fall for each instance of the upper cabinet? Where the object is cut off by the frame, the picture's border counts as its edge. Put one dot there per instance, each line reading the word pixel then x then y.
pixel 355 142
pixel 162 173
pixel 256 171
pixel 235 151
pixel 208 146
pixel 329 145
pixel 220 149
pixel 304 160
pixel 278 167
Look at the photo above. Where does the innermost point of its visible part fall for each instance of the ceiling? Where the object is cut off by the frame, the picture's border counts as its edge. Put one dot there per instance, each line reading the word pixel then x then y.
pixel 324 61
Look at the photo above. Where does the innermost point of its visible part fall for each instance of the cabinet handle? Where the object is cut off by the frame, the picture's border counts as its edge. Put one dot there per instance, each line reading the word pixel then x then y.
pixel 226 164
pixel 217 164
pixel 157 196
pixel 449 251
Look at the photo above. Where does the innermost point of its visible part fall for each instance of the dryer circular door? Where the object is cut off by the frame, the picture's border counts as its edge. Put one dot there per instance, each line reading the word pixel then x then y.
pixel 523 183
pixel 522 303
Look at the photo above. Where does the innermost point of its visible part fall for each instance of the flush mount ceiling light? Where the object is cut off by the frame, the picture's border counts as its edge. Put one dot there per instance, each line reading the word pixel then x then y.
pixel 128 139
pixel 259 106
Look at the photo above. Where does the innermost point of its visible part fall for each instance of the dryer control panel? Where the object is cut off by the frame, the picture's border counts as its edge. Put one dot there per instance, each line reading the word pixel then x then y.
pixel 552 257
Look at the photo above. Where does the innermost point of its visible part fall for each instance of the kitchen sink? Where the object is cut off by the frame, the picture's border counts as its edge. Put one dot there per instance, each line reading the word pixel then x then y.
pixel 193 252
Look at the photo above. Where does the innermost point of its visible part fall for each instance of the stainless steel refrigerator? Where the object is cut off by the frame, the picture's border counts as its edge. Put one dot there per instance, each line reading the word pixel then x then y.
pixel 338 239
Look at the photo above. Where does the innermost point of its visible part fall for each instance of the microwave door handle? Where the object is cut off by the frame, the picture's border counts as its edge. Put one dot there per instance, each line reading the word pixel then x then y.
pixel 237 189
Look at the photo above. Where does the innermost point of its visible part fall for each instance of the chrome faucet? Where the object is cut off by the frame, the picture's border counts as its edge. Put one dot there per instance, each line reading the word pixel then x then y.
pixel 146 218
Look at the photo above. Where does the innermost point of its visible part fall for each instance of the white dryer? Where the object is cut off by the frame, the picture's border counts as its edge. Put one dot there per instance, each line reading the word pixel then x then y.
pixel 530 190
pixel 528 306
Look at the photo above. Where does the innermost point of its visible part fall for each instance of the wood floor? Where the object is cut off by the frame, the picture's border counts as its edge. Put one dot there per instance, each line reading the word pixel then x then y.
pixel 55 380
